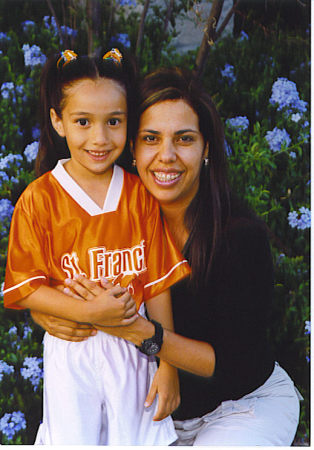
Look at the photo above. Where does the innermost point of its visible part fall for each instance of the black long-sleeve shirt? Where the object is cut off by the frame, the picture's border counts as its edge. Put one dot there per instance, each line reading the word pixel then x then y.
pixel 231 313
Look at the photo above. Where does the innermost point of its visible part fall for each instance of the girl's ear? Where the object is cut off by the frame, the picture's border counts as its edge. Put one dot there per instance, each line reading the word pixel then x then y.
pixel 57 122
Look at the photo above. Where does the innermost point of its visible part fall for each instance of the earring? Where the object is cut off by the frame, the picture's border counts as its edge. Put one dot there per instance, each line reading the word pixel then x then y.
pixel 206 161
pixel 134 163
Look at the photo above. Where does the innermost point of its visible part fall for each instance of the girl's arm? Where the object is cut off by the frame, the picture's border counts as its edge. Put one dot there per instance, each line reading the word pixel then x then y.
pixel 197 357
pixel 109 310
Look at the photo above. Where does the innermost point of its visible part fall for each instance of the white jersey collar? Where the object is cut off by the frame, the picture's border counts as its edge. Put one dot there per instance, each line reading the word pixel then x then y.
pixel 80 196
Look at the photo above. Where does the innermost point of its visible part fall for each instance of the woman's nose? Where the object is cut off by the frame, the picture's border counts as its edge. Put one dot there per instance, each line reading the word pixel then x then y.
pixel 167 152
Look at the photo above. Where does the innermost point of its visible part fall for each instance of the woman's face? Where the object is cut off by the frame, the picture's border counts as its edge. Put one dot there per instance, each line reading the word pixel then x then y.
pixel 169 152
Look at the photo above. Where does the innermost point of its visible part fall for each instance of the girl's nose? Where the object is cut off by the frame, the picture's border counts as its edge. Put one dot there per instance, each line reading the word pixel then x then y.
pixel 100 135
pixel 167 152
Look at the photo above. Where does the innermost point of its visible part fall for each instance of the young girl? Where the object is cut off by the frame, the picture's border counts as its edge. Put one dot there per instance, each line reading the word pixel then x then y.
pixel 89 217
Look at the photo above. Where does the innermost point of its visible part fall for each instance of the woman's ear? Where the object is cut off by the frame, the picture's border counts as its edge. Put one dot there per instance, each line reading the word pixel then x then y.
pixel 206 150
pixel 57 122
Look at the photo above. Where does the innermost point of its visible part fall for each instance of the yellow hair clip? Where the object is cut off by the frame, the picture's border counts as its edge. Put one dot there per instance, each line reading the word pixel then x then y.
pixel 114 55
pixel 66 56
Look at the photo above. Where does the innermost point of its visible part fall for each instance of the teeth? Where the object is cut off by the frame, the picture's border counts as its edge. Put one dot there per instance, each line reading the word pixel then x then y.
pixel 162 176
pixel 97 153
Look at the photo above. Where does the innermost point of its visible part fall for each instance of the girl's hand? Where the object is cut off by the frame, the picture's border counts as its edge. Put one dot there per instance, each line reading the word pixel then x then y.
pixel 166 385
pixel 107 306
pixel 62 328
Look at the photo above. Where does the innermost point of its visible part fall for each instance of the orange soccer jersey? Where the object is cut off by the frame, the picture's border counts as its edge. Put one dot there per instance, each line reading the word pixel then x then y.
pixel 58 231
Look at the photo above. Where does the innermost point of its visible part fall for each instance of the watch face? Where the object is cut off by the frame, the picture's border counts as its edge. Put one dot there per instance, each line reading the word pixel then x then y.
pixel 151 348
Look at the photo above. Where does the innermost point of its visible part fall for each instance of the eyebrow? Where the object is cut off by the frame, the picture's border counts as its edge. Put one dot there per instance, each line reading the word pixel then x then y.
pixel 188 130
pixel 83 113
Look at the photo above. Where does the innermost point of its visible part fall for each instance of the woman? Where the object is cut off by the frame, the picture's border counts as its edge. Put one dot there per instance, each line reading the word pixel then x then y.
pixel 232 391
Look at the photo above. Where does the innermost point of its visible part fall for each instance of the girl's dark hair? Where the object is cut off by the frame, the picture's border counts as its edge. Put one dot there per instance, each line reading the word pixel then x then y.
pixel 209 210
pixel 53 81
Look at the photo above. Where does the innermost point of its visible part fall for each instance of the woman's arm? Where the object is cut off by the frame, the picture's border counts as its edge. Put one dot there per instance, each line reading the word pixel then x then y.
pixel 194 356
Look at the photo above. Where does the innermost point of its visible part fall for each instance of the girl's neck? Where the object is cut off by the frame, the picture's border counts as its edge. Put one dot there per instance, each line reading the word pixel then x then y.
pixel 175 220
pixel 95 185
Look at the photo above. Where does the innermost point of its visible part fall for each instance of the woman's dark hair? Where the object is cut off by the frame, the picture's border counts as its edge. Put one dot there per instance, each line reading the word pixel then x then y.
pixel 208 212
pixel 55 78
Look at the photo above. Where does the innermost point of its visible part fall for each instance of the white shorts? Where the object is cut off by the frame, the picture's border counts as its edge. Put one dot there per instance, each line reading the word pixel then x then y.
pixel 94 394
pixel 268 416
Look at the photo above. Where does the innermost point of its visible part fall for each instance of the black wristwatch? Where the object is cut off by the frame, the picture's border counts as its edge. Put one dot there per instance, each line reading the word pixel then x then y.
pixel 152 345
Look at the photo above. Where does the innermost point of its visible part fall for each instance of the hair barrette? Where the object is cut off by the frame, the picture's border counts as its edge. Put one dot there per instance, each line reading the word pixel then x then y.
pixel 66 56
pixel 114 55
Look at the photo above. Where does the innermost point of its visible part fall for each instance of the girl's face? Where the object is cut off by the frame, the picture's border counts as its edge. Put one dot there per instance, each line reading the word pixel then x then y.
pixel 94 123
pixel 169 152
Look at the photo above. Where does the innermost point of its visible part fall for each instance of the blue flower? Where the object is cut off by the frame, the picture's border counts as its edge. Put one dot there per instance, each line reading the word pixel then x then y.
pixel 7 89
pixel 4 37
pixel 240 123
pixel 286 95
pixel 33 55
pixel 10 160
pixel 3 176
pixel 227 72
pixel 277 138
pixel 32 371
pixel 127 2
pixel 12 423
pixel 6 209
pixel 5 369
pixel 67 31
pixel 293 155
pixel 296 117
pixel 31 151
pixel 12 330
pixel 301 220
pixel 27 25
pixel 307 327
pixel 27 331
pixel 36 132
pixel 50 24
pixel 243 36
pixel 123 38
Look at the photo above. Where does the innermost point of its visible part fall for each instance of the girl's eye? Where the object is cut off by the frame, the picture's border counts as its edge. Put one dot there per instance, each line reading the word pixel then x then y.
pixel 113 122
pixel 82 122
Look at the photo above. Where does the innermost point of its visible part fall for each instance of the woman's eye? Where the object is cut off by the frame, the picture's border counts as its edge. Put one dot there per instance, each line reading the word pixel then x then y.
pixel 82 122
pixel 149 139
pixel 113 122
pixel 185 139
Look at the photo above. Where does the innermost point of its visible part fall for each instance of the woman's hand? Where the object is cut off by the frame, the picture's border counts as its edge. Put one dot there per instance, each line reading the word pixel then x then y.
pixel 62 328
pixel 108 306
pixel 166 385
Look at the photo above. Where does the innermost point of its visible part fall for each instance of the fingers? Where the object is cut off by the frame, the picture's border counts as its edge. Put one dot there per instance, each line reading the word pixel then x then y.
pixel 151 395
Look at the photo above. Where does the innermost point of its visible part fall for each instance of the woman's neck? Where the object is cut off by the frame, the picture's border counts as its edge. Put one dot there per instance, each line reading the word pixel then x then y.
pixel 175 219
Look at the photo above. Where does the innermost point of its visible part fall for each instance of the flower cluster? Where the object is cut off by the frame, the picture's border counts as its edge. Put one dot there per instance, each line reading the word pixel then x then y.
pixel 51 25
pixel 301 220
pixel 9 91
pixel 33 55
pixel 123 38
pixel 277 139
pixel 32 370
pixel 307 327
pixel 10 160
pixel 228 72
pixel 127 2
pixel 27 25
pixel 4 37
pixel 31 151
pixel 5 369
pixel 286 95
pixel 240 123
pixel 12 423
pixel 6 210
pixel 243 36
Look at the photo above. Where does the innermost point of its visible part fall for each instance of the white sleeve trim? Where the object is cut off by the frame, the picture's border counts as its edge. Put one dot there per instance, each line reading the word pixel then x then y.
pixel 23 282
pixel 167 274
